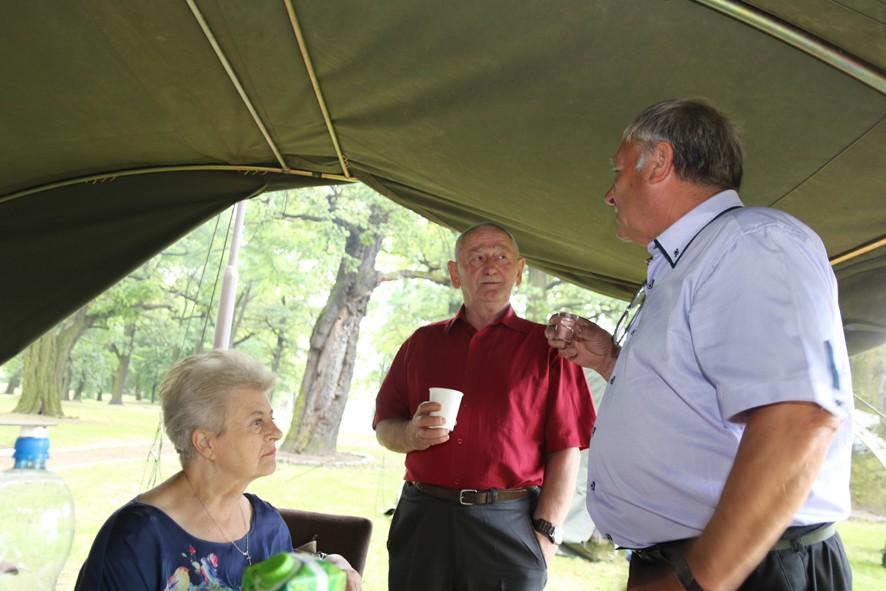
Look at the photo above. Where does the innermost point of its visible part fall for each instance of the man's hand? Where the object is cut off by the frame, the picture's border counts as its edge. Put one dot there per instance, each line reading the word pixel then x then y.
pixel 355 583
pixel 415 434
pixel 561 469
pixel 548 548
pixel 591 346
pixel 423 430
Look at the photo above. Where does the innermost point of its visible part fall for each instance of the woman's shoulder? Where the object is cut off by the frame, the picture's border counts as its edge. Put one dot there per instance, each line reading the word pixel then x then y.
pixel 269 523
pixel 134 520
pixel 132 513
pixel 262 508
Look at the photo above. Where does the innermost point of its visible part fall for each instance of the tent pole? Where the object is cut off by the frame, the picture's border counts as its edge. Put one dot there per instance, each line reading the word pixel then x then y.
pixel 315 84
pixel 111 176
pixel 228 297
pixel 818 48
pixel 235 81
pixel 858 252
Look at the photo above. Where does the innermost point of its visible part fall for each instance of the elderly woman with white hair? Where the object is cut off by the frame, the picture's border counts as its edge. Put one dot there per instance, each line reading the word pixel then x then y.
pixel 199 529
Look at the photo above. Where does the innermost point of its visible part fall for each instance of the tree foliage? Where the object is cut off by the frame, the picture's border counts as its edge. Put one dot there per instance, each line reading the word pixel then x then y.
pixel 314 265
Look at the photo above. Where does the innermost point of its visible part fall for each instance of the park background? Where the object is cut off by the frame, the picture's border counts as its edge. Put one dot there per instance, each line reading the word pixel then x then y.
pixel 332 280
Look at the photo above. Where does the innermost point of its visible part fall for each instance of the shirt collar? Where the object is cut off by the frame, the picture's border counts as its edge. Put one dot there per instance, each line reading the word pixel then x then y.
pixel 675 240
pixel 509 318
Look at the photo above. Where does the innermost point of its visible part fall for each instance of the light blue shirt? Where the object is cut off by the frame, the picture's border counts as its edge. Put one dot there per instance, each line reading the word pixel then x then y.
pixel 740 311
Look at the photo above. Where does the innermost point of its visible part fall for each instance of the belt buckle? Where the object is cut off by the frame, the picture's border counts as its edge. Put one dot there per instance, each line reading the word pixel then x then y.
pixel 461 496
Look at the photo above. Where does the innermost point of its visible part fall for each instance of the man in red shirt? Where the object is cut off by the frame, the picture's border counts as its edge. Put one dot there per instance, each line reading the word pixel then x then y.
pixel 482 505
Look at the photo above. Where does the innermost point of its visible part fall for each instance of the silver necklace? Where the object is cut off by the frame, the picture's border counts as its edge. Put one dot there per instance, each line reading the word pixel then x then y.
pixel 245 553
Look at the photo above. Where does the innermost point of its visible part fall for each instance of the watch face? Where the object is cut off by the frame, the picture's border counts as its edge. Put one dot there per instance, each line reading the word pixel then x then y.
pixel 553 532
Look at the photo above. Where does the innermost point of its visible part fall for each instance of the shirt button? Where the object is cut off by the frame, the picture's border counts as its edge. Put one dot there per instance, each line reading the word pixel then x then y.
pixel 594 431
pixel 460 440
pixel 608 537
pixel 457 482
pixel 593 486
pixel 612 380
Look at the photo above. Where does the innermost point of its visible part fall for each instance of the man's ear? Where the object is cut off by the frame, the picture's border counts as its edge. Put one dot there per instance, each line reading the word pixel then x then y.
pixel 202 441
pixel 453 274
pixel 521 263
pixel 661 162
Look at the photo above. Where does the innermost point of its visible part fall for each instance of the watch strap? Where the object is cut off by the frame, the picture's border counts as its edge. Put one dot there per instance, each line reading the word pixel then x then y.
pixel 543 526
pixel 684 574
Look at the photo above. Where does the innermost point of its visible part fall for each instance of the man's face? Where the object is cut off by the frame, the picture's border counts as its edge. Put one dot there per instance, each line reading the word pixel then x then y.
pixel 487 269
pixel 628 196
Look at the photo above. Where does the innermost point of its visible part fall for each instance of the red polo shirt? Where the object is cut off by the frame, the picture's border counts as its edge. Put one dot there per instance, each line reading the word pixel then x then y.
pixel 521 401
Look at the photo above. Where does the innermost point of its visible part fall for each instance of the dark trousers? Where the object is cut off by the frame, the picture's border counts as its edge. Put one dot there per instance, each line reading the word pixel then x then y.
pixel 439 545
pixel 822 566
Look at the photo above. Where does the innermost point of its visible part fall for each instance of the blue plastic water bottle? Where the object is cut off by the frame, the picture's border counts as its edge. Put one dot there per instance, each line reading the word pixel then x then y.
pixel 36 517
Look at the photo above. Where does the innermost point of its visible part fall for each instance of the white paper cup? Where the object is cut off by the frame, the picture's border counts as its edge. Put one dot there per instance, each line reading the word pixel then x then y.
pixel 450 400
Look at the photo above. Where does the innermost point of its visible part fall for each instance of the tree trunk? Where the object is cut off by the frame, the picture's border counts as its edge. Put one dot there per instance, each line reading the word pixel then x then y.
pixel 42 384
pixel 536 290
pixel 13 382
pixel 138 387
pixel 45 363
pixel 240 304
pixel 98 395
pixel 78 393
pixel 123 360
pixel 279 347
pixel 66 382
pixel 882 391
pixel 333 346
pixel 201 334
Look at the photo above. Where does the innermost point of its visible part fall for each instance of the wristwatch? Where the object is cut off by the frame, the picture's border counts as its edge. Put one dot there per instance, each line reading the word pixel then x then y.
pixel 553 532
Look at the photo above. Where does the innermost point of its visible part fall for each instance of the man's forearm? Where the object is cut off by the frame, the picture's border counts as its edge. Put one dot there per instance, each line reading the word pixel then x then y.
pixel 561 470
pixel 780 455
pixel 415 434
pixel 391 433
pixel 607 363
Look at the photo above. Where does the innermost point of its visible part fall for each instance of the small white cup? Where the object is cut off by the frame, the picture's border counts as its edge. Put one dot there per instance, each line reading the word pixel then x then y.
pixel 450 400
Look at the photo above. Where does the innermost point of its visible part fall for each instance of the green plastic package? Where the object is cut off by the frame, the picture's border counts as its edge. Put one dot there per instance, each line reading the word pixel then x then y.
pixel 294 571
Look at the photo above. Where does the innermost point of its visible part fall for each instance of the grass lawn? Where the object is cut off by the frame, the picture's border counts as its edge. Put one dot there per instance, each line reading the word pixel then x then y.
pixel 366 490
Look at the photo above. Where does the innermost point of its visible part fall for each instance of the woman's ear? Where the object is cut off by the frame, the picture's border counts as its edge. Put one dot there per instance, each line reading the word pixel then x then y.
pixel 202 442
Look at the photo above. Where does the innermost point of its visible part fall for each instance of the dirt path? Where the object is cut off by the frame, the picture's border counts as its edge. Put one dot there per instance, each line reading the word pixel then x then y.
pixel 108 452
pixel 113 452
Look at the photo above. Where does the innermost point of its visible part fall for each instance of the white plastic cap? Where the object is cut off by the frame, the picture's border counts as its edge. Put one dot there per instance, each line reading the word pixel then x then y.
pixel 36 432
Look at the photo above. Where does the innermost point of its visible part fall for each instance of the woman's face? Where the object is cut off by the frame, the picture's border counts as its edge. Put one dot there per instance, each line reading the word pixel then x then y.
pixel 247 447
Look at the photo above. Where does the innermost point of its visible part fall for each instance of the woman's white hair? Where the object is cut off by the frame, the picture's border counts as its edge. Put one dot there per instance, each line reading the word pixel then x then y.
pixel 195 392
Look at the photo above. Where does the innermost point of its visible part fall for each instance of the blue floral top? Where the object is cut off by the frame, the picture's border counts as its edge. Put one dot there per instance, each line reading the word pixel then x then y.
pixel 140 548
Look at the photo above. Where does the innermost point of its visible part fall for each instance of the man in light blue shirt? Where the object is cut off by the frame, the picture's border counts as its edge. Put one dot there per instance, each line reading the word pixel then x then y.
pixel 723 443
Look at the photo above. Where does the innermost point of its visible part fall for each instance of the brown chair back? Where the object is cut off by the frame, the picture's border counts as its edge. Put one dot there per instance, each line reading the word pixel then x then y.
pixel 335 534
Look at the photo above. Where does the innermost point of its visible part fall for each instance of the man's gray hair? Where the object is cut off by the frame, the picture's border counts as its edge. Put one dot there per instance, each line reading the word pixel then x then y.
pixel 707 150
pixel 195 392
pixel 461 237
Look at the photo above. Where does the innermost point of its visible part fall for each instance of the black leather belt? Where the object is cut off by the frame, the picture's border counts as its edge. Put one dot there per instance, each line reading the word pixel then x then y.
pixel 472 496
pixel 795 538
pixel 815 536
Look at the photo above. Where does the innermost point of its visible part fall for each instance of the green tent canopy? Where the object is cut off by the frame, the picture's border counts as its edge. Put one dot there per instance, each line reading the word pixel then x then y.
pixel 125 124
